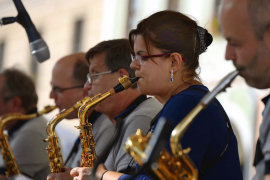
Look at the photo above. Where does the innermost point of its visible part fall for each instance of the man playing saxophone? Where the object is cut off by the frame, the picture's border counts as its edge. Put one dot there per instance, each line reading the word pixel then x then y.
pixel 18 95
pixel 109 60
pixel 246 27
pixel 68 78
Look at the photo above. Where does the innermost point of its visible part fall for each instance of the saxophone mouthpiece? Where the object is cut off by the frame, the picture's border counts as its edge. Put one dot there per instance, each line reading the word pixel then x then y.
pixel 124 83
pixel 133 80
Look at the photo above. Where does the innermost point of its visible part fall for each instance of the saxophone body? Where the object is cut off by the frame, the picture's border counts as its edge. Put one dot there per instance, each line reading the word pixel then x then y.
pixel 168 167
pixel 56 161
pixel 7 154
pixel 88 143
pixel 88 155
pixel 177 165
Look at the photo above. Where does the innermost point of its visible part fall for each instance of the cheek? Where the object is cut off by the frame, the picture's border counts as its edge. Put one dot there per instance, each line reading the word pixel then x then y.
pixel 97 89
pixel 244 56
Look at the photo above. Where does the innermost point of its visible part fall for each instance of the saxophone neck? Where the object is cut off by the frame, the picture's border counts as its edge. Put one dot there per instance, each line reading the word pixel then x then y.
pixel 12 117
pixel 46 110
pixel 91 102
pixel 181 128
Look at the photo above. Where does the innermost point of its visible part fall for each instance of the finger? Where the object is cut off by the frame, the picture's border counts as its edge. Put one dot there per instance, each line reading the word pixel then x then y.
pixel 87 171
pixel 51 176
pixel 74 172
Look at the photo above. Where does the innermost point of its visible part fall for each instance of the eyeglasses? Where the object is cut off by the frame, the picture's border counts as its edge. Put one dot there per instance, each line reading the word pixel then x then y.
pixel 92 77
pixel 56 89
pixel 141 59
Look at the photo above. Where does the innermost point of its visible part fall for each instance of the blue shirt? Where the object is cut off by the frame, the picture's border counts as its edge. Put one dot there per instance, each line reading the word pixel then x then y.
pixel 206 136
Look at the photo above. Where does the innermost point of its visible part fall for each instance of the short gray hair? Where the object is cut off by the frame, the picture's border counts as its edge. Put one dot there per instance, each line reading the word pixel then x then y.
pixel 259 15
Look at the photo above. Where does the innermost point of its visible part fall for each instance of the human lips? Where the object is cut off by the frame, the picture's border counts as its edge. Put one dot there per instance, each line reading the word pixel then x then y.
pixel 241 69
pixel 137 75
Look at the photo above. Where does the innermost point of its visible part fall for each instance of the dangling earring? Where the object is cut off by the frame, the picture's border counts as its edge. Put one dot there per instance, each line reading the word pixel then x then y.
pixel 171 79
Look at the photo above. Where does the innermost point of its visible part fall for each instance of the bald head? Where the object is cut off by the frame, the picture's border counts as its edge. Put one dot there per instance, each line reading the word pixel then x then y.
pixel 254 12
pixel 234 10
pixel 68 78
pixel 74 66
pixel 248 39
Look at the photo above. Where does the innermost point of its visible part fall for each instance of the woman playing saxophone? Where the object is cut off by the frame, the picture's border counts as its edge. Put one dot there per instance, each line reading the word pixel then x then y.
pixel 166 48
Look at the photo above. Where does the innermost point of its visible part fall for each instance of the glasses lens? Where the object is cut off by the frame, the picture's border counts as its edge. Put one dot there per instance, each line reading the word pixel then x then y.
pixel 136 58
pixel 56 89
pixel 133 57
pixel 88 78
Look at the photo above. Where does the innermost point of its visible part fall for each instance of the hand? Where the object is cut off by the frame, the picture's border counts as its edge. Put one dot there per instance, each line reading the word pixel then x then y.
pixel 267 177
pixel 60 176
pixel 81 173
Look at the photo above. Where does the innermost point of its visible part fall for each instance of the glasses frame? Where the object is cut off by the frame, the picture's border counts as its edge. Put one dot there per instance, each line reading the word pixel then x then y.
pixel 90 78
pixel 140 59
pixel 56 89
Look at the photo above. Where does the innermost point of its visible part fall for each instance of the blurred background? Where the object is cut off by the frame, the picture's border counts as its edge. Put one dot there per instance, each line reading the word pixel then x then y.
pixel 70 26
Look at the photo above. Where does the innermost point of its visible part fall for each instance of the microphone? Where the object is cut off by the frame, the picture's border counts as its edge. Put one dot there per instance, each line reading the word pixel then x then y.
pixel 38 46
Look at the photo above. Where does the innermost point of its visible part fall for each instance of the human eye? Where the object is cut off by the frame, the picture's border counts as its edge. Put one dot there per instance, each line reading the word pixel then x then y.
pixel 233 43
pixel 144 58
pixel 56 89
pixel 94 76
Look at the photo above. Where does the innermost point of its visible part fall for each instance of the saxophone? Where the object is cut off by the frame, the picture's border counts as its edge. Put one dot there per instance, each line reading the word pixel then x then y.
pixel 178 165
pixel 7 154
pixel 54 152
pixel 88 155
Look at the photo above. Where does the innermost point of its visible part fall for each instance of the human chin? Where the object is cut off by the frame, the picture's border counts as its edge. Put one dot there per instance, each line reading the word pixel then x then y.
pixel 141 85
pixel 144 89
pixel 255 81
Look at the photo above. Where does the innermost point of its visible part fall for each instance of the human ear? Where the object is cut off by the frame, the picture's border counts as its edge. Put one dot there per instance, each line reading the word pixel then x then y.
pixel 177 61
pixel 123 72
pixel 15 104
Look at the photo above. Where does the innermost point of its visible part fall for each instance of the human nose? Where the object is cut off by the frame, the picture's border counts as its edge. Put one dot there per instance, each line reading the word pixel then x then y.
pixel 52 95
pixel 134 64
pixel 230 53
pixel 87 87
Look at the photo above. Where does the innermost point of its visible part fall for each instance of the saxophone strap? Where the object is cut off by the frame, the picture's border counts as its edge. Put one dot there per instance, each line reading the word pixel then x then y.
pixel 206 166
pixel 131 107
pixel 124 114
pixel 119 124
pixel 258 152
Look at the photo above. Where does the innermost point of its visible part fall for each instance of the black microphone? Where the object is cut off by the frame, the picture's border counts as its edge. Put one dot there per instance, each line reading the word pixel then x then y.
pixel 38 46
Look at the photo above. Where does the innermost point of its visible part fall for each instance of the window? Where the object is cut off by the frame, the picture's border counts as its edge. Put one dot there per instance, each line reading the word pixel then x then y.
pixel 78 35
pixel 2 51
pixel 133 8
pixel 173 5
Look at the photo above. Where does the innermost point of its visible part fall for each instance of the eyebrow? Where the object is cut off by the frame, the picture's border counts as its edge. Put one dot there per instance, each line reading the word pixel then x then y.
pixel 228 38
pixel 140 51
